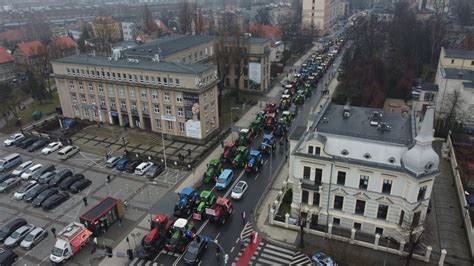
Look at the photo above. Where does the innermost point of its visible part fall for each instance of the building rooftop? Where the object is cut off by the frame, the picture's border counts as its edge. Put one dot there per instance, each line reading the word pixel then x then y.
pixel 392 127
pixel 461 74
pixel 5 56
pixel 459 53
pixel 256 40
pixel 142 64
pixel 168 45
pixel 32 48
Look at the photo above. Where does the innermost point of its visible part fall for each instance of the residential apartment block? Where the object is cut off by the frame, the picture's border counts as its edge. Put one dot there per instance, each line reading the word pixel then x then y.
pixel 455 75
pixel 360 168
pixel 173 98
pixel 7 66
pixel 319 15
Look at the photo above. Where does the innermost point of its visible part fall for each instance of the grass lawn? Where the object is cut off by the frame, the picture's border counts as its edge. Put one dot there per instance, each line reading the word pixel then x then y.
pixel 285 206
pixel 46 107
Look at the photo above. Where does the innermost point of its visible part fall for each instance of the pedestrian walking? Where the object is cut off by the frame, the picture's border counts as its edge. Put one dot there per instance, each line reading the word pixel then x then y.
pixel 108 178
pixel 243 217
pixel 53 230
pixel 94 245
pixel 242 244
pixel 84 199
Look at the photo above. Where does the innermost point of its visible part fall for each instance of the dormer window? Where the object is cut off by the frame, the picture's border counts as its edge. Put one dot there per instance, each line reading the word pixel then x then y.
pixel 429 166
pixel 345 152
pixel 310 149
pixel 391 160
pixel 367 155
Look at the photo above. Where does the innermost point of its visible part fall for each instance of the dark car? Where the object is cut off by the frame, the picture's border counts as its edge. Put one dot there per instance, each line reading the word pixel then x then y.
pixel 6 176
pixel 38 201
pixel 196 250
pixel 7 257
pixel 10 227
pixel 26 143
pixel 38 145
pixel 68 181
pixel 155 170
pixel 46 177
pixel 31 195
pixel 80 185
pixel 130 167
pixel 44 169
pixel 55 200
pixel 59 177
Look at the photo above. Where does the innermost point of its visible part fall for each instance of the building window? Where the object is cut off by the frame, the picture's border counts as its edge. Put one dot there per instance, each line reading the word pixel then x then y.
pixel 102 101
pixel 305 196
pixel 306 172
pixel 316 199
pixel 121 91
pixel 112 103
pixel 83 98
pixel 170 125
pixel 472 63
pixel 318 151
pixel 363 182
pixel 318 177
pixel 310 149
pixel 134 106
pixel 123 104
pixel 74 97
pixel 379 230
pixel 132 93
pixel 168 109
pixel 165 81
pixel 179 97
pixel 158 79
pixel 452 61
pixel 360 207
pixel 76 111
pixel 171 82
pixel 357 226
pixel 158 123
pixel 402 216
pixel 167 96
pixel 382 212
pixel 421 193
pixel 338 202
pixel 336 221
pixel 111 90
pixel 387 186
pixel 341 178
pixel 157 108
pixel 177 82
pixel 180 111
pixel 101 88
pixel 416 219
pixel 181 127
pixel 155 94
pixel 429 97
pixel 143 93
pixel 145 107
pixel 71 84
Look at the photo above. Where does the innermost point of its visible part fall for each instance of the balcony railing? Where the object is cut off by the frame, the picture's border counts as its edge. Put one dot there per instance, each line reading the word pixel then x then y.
pixel 310 184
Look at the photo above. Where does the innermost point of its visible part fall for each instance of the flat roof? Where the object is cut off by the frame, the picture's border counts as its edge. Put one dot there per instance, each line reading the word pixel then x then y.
pixel 357 125
pixel 171 67
pixel 168 45
pixel 459 53
pixel 98 210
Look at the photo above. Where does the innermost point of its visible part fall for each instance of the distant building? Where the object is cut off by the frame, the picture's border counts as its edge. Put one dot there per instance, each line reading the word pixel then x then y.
pixel 456 73
pixel 128 31
pixel 12 37
pixel 423 94
pixel 173 98
pixel 30 55
pixel 363 169
pixel 63 46
pixel 433 5
pixel 7 66
pixel 319 16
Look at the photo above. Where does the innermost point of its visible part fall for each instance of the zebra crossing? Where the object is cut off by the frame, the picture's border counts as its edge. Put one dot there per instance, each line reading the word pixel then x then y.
pixel 270 254
pixel 139 262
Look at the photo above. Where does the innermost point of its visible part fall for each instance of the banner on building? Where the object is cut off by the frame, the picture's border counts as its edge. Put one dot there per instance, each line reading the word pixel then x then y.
pixel 255 73
pixel 192 115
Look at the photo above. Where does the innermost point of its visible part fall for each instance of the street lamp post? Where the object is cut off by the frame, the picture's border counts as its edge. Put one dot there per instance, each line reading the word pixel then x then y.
pixel 232 122
pixel 164 147
pixel 191 169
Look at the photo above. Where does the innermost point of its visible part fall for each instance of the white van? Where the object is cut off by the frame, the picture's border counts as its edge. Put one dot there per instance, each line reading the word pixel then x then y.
pixel 67 152
pixel 10 161
pixel 142 168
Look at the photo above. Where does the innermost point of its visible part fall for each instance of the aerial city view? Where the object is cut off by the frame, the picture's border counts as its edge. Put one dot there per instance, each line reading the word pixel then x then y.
pixel 236 132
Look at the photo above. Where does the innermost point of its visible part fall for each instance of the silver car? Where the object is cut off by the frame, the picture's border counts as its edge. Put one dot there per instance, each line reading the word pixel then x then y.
pixel 33 238
pixel 9 184
pixel 16 237
pixel 20 193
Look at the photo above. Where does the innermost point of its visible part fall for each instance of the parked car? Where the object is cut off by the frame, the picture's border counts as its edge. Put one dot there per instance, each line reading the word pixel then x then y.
pixel 46 177
pixel 143 167
pixel 33 238
pixel 120 165
pixel 111 162
pixel 38 201
pixel 8 184
pixel 30 171
pixel 16 237
pixel 52 147
pixel 155 171
pixel 22 168
pixel 10 227
pixel 68 181
pixel 60 176
pixel 239 191
pixel 44 169
pixel 67 152
pixel 80 185
pixel 321 259
pixel 35 191
pixel 130 167
pixel 7 257
pixel 26 143
pixel 20 193
pixel 13 139
pixel 38 145
pixel 6 176
pixel 55 200
pixel 10 161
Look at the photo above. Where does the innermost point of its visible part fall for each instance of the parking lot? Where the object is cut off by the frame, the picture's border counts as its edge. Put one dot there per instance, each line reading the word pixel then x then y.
pixel 138 191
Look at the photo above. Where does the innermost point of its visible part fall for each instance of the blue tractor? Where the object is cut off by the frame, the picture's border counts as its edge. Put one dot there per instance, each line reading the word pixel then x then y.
pixel 186 203
pixel 268 143
pixel 254 161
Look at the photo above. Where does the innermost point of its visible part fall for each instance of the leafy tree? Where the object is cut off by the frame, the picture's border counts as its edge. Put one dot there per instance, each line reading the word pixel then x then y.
pixel 148 21
pixel 464 9
pixel 37 88
pixel 10 100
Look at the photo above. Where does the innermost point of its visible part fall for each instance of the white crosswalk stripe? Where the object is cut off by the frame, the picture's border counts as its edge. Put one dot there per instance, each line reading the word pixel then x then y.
pixel 141 262
pixel 300 259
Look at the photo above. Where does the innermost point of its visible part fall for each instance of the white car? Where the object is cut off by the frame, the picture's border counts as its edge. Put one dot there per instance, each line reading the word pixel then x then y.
pixel 143 167
pixel 30 171
pixel 239 191
pixel 25 188
pixel 13 138
pixel 22 168
pixel 52 147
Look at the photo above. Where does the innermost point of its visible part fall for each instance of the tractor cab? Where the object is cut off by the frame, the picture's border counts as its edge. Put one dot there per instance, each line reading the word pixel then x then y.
pixel 214 169
pixel 245 137
pixel 229 151
pixel 270 121
pixel 240 156
pixel 285 101
pixel 254 161
pixel 268 143
pixel 271 108
pixel 182 234
pixel 206 199
pixel 186 202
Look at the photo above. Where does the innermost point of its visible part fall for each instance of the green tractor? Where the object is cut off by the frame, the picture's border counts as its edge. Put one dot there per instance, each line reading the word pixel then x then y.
pixel 246 135
pixel 214 169
pixel 255 127
pixel 205 200
pixel 299 98
pixel 240 157
pixel 307 92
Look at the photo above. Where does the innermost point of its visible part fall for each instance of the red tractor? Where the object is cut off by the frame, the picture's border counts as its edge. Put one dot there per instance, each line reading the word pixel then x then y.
pixel 220 211
pixel 229 151
pixel 155 240
pixel 271 108
pixel 270 120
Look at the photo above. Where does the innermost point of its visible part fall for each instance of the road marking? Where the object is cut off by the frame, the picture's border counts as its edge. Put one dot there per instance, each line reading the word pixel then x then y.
pixel 237 240
pixel 266 161
pixel 232 249
pixel 217 236
pixel 256 177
